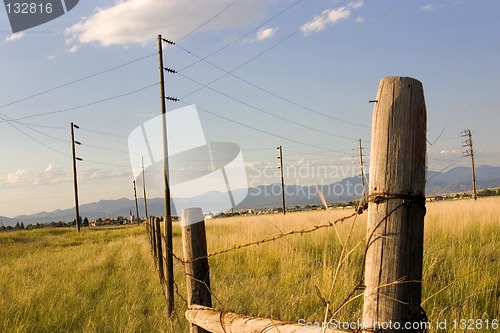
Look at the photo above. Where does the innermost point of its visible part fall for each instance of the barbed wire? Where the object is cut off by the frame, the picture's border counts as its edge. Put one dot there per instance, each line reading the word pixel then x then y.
pixel 407 199
pixel 265 240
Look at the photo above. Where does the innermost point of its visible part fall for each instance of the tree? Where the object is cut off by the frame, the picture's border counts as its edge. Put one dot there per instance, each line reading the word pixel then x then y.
pixel 85 222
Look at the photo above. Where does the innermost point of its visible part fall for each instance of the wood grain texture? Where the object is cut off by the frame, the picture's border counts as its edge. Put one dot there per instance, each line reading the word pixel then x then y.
pixel 217 321
pixel 194 244
pixel 393 266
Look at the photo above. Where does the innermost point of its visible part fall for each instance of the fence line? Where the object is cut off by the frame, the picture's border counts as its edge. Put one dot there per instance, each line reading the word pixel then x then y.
pixel 194 310
pixel 265 240
pixel 396 206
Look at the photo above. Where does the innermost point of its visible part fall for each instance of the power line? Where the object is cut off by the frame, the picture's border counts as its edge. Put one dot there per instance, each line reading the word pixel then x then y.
pixel 259 88
pixel 77 80
pixel 84 105
pixel 326 12
pixel 261 130
pixel 267 112
pixel 240 38
pixel 208 21
pixel 9 121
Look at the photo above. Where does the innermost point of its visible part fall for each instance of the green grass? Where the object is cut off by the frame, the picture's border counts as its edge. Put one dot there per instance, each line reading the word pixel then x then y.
pixel 104 280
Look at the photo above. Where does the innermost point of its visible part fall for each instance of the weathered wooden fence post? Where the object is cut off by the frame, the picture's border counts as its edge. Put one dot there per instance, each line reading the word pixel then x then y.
pixel 396 209
pixel 150 234
pixel 159 249
pixel 194 243
pixel 153 236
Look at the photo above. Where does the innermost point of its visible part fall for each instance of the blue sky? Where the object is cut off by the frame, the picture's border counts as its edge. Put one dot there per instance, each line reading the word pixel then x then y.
pixel 301 75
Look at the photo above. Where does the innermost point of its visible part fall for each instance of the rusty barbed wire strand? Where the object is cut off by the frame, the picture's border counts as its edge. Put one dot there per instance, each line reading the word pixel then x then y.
pixel 275 238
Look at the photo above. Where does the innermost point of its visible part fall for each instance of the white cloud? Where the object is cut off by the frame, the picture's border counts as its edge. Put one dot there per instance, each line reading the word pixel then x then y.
pixel 356 5
pixel 450 152
pixel 360 19
pixel 329 17
pixel 14 37
pixel 431 7
pixel 19 176
pixel 30 177
pixel 73 49
pixel 428 8
pixel 266 33
pixel 140 21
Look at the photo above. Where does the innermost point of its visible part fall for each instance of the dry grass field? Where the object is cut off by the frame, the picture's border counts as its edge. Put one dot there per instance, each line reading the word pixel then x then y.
pixel 104 280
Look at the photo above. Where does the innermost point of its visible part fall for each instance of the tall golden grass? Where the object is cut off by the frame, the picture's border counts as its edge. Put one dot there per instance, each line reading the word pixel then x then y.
pixel 104 280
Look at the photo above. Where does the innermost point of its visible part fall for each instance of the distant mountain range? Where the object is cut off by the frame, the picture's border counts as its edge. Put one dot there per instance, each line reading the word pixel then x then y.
pixel 455 180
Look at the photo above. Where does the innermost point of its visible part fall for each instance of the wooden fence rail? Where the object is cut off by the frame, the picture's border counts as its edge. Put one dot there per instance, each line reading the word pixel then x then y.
pixel 217 321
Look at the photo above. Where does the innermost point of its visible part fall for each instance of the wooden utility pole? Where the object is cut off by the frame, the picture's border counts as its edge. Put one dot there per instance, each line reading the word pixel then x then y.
pixel 136 206
pixel 361 165
pixel 144 191
pixel 194 244
pixel 75 178
pixel 168 214
pixel 396 209
pixel 470 152
pixel 282 179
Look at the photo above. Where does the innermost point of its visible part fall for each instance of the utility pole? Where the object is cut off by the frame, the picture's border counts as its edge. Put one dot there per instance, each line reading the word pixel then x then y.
pixel 282 178
pixel 75 179
pixel 136 206
pixel 361 165
pixel 144 190
pixel 168 214
pixel 470 152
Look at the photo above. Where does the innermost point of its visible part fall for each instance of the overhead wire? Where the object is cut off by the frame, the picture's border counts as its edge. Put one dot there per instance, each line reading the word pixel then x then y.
pixel 86 104
pixel 78 80
pixel 266 112
pixel 248 82
pixel 241 37
pixel 208 21
pixel 261 130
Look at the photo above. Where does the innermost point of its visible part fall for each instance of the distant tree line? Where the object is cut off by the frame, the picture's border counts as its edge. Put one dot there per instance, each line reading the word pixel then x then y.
pixel 59 224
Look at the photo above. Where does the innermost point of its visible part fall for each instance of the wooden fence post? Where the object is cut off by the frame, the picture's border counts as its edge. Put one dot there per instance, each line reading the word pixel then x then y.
pixel 159 250
pixel 194 243
pixel 153 237
pixel 150 234
pixel 396 209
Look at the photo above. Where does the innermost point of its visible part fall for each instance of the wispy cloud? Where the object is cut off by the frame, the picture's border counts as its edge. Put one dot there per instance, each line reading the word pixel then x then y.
pixel 19 176
pixel 265 33
pixel 136 21
pixel 329 17
pixel 29 177
pixel 14 37
pixel 431 7
pixel 451 152
pixel 428 7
